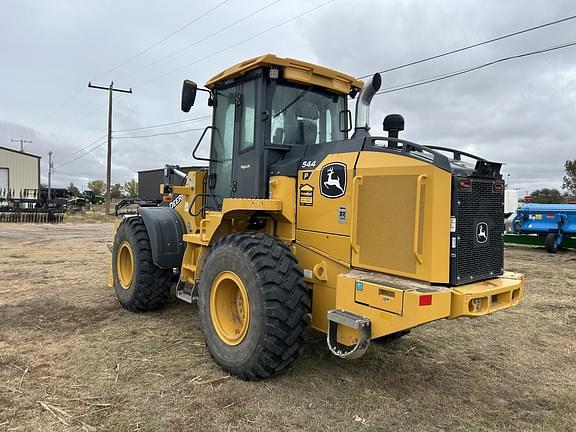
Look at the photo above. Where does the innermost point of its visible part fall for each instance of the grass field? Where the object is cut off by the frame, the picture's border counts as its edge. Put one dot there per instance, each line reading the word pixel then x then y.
pixel 72 359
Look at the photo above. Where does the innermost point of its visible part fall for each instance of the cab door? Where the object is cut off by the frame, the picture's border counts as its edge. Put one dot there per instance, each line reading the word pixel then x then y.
pixel 222 146
pixel 247 171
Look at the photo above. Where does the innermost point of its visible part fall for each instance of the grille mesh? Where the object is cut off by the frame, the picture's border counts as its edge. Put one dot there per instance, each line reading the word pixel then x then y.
pixel 477 261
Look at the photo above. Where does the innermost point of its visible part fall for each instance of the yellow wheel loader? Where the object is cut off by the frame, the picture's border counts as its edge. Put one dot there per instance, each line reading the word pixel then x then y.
pixel 294 223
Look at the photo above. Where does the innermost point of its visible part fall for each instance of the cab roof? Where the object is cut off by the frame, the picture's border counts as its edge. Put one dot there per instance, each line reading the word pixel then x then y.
pixel 292 70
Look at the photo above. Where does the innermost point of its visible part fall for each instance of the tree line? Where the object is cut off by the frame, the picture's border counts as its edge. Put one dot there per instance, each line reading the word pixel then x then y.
pixel 127 190
pixel 554 196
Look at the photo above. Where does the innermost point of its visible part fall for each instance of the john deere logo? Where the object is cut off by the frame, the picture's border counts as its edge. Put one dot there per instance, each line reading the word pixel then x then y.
pixel 333 180
pixel 482 232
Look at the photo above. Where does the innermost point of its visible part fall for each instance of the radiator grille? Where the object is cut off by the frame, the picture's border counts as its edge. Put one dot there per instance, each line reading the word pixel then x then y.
pixel 479 210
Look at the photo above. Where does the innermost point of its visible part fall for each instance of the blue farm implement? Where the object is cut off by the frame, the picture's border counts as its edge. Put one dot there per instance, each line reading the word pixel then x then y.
pixel 554 222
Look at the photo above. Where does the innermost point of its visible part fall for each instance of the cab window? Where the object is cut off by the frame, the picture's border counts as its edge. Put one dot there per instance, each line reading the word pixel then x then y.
pixel 305 115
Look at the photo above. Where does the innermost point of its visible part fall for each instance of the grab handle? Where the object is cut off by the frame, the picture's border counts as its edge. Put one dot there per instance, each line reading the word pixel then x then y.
pixel 356 182
pixel 417 218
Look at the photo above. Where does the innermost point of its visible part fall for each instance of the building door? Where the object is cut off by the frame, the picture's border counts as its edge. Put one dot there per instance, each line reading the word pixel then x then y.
pixel 3 183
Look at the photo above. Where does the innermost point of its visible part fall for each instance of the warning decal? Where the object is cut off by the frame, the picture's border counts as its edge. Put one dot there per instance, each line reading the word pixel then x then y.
pixel 306 195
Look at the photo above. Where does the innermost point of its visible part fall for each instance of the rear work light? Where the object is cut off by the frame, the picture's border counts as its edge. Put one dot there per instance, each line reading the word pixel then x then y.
pixel 425 300
pixel 464 184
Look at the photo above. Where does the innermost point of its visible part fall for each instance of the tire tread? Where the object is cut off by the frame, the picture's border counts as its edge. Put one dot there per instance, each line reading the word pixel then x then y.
pixel 287 302
pixel 154 283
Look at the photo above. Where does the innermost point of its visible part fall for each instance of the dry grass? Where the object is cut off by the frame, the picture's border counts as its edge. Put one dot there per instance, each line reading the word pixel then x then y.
pixel 72 359
pixel 89 216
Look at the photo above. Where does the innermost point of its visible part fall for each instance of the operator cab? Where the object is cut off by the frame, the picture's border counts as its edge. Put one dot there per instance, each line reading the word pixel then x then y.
pixel 263 108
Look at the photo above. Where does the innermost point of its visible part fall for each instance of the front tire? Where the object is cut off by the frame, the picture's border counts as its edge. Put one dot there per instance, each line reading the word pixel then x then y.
pixel 253 305
pixel 140 285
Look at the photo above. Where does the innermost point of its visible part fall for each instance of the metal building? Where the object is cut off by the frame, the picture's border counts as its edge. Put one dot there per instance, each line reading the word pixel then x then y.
pixel 19 174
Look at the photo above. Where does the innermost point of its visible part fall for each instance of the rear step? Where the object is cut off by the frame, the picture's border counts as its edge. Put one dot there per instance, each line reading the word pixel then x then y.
pixel 348 319
pixel 186 292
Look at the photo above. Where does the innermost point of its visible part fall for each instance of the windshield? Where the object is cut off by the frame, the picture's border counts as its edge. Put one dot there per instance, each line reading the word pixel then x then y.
pixel 305 115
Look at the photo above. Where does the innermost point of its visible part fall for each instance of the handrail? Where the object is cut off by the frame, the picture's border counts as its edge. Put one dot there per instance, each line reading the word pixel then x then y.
pixel 198 145
pixel 415 150
pixel 356 182
pixel 456 153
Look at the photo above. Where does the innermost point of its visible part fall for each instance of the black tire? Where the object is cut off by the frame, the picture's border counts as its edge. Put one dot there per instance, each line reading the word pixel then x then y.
pixel 391 337
pixel 279 304
pixel 550 242
pixel 150 285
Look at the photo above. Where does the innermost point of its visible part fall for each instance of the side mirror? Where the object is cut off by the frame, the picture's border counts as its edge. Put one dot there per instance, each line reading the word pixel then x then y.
pixel 345 121
pixel 189 89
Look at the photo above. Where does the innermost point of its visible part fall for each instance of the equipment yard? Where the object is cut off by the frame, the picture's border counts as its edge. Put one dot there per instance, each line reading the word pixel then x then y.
pixel 71 358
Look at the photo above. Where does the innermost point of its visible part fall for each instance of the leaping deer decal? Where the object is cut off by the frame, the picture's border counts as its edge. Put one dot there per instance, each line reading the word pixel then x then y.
pixel 333 181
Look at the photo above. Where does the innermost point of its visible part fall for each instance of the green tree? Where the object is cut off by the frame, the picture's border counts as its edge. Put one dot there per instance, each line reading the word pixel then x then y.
pixel 116 190
pixel 547 196
pixel 131 188
pixel 97 186
pixel 73 190
pixel 569 183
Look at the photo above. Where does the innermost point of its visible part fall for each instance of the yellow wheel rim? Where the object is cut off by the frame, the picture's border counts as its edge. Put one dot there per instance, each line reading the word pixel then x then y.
pixel 229 308
pixel 125 264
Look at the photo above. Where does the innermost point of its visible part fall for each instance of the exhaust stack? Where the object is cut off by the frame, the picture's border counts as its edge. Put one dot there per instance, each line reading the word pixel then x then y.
pixel 363 105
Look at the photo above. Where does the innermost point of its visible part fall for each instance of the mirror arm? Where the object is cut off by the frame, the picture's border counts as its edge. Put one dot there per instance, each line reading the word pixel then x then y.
pixel 211 97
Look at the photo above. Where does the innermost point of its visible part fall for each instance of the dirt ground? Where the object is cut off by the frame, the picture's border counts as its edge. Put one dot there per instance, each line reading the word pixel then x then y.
pixel 72 359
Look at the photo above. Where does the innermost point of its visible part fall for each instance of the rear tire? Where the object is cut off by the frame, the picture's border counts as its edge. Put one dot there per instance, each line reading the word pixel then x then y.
pixel 253 305
pixel 140 285
pixel 550 242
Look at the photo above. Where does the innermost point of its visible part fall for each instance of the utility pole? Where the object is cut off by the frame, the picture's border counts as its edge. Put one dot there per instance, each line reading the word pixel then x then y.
pixel 109 156
pixel 50 168
pixel 21 141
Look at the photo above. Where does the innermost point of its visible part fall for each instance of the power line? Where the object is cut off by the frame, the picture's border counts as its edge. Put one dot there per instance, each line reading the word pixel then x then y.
pixel 58 108
pixel 160 134
pixel 83 148
pixel 274 27
pixel 164 39
pixel 218 52
pixel 436 56
pixel 104 142
pixel 155 44
pixel 471 69
pixel 252 14
pixel 76 118
pixel 164 124
pixel 83 154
